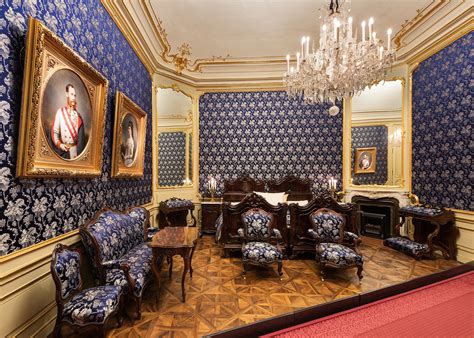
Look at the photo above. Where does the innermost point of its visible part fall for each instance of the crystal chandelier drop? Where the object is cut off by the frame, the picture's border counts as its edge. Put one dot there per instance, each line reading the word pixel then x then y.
pixel 342 66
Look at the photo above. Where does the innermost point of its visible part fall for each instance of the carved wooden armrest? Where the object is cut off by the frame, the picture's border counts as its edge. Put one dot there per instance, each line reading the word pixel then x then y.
pixel 277 234
pixel 126 270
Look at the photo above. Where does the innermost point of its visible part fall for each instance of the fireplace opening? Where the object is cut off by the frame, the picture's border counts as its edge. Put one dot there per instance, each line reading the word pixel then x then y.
pixel 377 217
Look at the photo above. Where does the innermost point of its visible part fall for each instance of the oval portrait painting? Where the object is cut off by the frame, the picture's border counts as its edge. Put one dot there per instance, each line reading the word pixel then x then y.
pixel 66 114
pixel 129 143
pixel 365 160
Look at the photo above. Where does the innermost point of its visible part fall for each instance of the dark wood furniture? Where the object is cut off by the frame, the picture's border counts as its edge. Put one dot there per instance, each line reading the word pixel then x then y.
pixel 173 241
pixel 232 220
pixel 260 237
pixel 236 190
pixel 297 189
pixel 175 216
pixel 299 240
pixel 438 231
pixel 210 211
pixel 67 277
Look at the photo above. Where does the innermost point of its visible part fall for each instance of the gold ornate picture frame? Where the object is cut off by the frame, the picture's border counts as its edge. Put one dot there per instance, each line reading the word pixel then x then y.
pixel 365 159
pixel 128 154
pixel 63 110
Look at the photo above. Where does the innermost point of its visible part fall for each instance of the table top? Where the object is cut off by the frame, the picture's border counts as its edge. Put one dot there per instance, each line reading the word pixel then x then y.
pixel 175 237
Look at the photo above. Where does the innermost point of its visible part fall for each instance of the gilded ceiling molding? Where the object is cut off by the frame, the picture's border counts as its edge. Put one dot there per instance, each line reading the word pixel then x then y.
pixel 422 15
pixel 180 59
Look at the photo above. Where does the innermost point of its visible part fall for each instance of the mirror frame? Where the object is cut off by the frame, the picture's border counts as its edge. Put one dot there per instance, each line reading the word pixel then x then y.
pixel 189 130
pixel 347 144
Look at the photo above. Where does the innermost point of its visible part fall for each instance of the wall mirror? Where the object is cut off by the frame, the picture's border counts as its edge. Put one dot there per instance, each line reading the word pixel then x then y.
pixel 175 146
pixel 377 136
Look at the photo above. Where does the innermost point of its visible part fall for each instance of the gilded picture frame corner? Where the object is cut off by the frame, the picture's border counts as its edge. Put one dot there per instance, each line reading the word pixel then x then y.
pixel 128 153
pixel 52 72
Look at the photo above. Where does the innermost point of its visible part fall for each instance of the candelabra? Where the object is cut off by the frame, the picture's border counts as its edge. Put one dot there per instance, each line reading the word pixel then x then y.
pixel 342 66
pixel 212 187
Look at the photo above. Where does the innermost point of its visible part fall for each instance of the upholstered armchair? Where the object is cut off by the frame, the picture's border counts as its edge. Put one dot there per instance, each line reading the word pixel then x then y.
pixel 174 212
pixel 257 234
pixel 328 231
pixel 82 310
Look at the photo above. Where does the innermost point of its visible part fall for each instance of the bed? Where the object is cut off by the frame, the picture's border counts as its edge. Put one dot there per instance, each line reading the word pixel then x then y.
pixel 239 197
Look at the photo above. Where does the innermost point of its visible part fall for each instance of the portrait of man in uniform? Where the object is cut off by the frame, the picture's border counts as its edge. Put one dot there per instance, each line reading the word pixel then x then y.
pixel 66 114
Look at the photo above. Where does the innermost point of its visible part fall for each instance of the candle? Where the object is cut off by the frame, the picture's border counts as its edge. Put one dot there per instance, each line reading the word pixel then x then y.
pixel 349 28
pixel 298 62
pixel 336 25
pixel 363 30
pixel 292 70
pixel 287 63
pixel 381 53
pixel 374 37
pixel 307 46
pixel 303 39
pixel 371 22
pixel 389 36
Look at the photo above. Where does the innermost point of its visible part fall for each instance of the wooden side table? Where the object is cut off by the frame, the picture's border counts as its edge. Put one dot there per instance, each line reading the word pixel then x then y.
pixel 175 215
pixel 434 227
pixel 210 211
pixel 173 241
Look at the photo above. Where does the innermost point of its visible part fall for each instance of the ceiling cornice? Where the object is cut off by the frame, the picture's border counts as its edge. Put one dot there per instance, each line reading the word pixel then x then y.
pixel 149 40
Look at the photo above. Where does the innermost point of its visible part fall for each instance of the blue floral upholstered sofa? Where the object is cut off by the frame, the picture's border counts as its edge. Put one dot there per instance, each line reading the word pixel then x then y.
pixel 116 243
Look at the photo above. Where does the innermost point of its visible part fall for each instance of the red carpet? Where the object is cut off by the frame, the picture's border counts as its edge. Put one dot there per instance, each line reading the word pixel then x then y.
pixel 443 309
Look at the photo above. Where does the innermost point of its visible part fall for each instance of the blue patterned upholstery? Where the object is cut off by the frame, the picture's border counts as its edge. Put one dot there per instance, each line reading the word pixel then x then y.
pixel 261 252
pixel 79 307
pixel 120 239
pixel 327 226
pixel 152 232
pixel 178 203
pixel 93 305
pixel 407 246
pixel 66 268
pixel 256 233
pixel 116 234
pixel 139 260
pixel 421 210
pixel 338 255
pixel 257 224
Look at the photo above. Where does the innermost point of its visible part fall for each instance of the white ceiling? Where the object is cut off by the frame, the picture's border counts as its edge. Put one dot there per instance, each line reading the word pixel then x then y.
pixel 264 28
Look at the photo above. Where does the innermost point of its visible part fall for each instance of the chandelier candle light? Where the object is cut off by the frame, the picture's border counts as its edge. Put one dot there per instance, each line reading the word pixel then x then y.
pixel 342 66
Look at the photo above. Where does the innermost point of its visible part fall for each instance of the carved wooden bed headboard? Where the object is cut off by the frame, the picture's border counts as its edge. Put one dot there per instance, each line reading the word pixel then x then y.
pixel 298 189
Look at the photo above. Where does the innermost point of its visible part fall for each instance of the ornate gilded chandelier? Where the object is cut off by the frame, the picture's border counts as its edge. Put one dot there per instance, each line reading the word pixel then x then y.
pixel 342 66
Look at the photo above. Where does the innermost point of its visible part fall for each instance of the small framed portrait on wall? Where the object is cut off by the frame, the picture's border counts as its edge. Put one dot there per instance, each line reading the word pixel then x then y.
pixel 128 152
pixel 365 159
pixel 63 110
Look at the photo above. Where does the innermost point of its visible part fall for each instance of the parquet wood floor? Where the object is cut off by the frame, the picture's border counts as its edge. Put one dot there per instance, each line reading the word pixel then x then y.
pixel 219 298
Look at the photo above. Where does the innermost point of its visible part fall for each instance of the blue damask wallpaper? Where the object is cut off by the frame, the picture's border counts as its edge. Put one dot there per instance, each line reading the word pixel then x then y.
pixel 267 136
pixel 443 138
pixel 366 137
pixel 171 158
pixel 34 210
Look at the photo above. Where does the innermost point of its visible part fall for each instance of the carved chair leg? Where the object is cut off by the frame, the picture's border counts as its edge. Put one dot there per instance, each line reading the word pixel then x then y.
pixel 280 265
pixel 57 329
pixel 138 302
pixel 323 273
pixel 245 270
pixel 359 273
pixel 121 311
pixel 170 262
